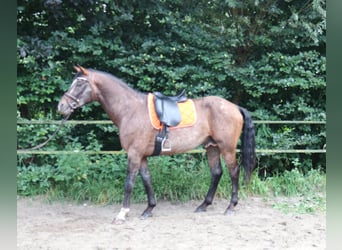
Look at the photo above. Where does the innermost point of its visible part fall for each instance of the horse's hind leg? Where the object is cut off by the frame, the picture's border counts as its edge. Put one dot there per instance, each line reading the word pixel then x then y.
pixel 146 178
pixel 234 171
pixel 213 155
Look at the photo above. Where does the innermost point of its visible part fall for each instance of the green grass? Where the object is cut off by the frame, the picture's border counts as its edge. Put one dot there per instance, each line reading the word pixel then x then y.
pixel 307 190
pixel 101 180
pixel 302 205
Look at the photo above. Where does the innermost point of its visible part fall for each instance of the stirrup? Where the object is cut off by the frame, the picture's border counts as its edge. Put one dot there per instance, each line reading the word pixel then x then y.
pixel 165 145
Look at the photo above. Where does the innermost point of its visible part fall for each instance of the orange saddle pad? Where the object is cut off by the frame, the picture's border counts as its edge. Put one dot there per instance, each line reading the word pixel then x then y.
pixel 187 110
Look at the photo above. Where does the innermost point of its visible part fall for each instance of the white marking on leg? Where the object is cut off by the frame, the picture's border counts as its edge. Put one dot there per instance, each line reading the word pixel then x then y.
pixel 122 214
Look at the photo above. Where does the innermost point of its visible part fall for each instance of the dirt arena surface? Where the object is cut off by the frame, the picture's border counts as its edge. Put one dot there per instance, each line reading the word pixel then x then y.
pixel 255 225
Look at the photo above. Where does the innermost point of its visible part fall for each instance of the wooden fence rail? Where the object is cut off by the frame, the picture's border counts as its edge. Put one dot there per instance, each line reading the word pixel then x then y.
pixel 87 122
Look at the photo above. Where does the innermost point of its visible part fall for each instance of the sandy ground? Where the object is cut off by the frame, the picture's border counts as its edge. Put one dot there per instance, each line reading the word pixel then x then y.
pixel 255 225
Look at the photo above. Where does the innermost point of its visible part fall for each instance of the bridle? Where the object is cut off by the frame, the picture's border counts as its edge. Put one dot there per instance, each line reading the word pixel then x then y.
pixel 75 101
pixel 73 105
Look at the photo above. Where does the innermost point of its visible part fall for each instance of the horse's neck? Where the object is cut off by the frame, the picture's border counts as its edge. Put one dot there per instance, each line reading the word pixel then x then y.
pixel 118 101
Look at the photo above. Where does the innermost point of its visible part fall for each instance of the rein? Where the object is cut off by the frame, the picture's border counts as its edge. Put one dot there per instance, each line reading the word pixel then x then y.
pixel 50 138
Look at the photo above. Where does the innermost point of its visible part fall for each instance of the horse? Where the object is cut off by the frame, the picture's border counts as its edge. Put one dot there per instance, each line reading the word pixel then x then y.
pixel 218 127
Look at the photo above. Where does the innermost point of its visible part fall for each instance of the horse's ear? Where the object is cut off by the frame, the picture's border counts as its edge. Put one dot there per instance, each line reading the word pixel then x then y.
pixel 79 69
pixel 84 71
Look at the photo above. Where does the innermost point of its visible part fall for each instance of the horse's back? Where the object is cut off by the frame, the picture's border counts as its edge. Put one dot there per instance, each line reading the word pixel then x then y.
pixel 219 107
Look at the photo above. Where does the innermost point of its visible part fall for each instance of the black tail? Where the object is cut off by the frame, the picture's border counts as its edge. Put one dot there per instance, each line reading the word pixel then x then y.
pixel 248 144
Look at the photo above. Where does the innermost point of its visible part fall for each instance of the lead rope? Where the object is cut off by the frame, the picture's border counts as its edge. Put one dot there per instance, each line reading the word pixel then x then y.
pixel 50 138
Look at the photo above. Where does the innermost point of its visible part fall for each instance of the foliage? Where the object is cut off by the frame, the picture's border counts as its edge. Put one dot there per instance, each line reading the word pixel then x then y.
pixel 309 191
pixel 82 177
pixel 267 56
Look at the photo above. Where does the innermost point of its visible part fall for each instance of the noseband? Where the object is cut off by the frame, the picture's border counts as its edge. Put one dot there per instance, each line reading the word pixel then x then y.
pixel 73 105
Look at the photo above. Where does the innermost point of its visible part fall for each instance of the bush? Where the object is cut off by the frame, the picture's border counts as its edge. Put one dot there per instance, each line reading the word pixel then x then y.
pixel 100 179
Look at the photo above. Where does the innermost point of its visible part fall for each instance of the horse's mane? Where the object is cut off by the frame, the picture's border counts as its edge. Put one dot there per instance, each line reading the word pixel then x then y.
pixel 115 79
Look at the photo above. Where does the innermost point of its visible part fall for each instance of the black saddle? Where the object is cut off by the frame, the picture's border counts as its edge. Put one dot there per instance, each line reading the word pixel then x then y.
pixel 169 115
pixel 167 108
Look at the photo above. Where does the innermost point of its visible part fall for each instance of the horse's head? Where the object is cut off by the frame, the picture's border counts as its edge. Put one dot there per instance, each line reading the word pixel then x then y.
pixel 79 93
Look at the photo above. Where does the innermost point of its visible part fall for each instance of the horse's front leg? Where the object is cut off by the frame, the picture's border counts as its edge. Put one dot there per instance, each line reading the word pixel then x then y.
pixel 132 171
pixel 146 178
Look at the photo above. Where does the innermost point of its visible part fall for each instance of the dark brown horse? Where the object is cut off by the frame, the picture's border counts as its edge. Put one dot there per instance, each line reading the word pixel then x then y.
pixel 218 127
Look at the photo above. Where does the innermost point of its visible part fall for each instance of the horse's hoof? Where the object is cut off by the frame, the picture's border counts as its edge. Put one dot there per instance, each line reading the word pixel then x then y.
pixel 118 222
pixel 146 215
pixel 142 217
pixel 201 209
pixel 229 212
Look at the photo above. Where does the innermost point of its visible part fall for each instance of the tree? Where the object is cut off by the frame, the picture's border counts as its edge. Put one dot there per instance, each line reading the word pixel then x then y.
pixel 267 56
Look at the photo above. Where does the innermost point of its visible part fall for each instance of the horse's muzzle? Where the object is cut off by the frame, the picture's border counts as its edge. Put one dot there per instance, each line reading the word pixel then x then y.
pixel 64 108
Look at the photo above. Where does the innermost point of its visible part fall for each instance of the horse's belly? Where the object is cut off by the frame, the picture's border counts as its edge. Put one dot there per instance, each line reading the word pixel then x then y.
pixel 185 139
